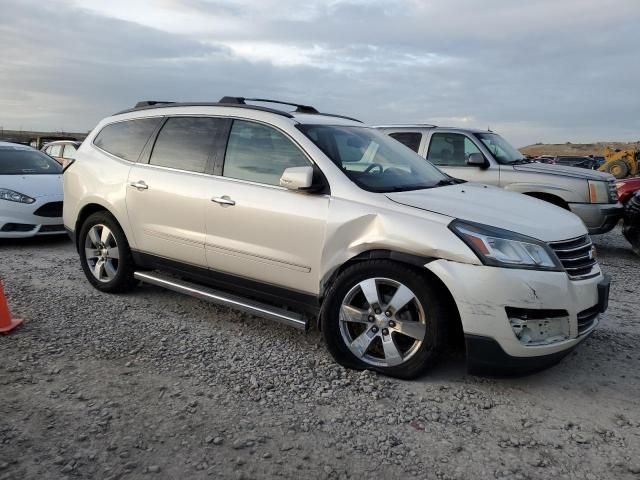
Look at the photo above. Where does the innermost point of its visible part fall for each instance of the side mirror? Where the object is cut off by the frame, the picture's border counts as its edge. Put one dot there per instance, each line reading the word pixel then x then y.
pixel 297 178
pixel 476 160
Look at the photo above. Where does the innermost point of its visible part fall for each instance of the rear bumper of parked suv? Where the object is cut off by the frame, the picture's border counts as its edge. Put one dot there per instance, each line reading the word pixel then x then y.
pixel 598 217
pixel 494 303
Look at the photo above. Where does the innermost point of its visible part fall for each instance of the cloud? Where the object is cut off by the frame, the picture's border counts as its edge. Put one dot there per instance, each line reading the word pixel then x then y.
pixel 536 71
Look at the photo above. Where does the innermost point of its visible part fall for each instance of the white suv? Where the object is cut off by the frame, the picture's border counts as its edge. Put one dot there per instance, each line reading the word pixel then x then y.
pixel 296 215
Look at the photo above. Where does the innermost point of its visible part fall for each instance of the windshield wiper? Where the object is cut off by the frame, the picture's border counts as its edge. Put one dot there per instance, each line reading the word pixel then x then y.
pixel 406 188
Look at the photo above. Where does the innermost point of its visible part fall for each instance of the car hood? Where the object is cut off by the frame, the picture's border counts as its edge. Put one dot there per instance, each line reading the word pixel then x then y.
pixel 498 208
pixel 553 169
pixel 35 186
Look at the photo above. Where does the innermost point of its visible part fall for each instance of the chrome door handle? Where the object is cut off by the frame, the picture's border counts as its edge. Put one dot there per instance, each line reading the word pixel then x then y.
pixel 224 200
pixel 140 185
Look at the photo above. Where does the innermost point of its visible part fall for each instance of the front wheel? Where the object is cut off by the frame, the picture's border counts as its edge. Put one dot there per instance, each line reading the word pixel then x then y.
pixel 105 254
pixel 386 317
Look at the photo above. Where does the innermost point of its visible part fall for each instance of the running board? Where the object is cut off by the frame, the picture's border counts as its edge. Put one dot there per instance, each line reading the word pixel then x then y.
pixel 222 298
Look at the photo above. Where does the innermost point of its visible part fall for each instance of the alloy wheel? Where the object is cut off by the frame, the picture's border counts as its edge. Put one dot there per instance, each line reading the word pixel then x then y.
pixel 382 322
pixel 102 253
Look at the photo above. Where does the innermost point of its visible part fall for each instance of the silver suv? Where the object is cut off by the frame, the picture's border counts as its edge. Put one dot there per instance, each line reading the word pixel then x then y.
pixel 484 156
pixel 299 215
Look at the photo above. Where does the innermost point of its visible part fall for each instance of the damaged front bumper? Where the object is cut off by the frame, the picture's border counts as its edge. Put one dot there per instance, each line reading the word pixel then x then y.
pixel 517 321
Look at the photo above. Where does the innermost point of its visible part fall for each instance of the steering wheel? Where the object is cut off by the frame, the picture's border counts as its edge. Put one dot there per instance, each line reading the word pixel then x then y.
pixel 375 165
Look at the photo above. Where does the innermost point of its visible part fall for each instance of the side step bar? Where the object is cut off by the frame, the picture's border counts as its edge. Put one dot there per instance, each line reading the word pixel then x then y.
pixel 222 298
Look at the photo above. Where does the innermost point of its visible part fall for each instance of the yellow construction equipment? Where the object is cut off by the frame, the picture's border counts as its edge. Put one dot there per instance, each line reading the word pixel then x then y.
pixel 621 163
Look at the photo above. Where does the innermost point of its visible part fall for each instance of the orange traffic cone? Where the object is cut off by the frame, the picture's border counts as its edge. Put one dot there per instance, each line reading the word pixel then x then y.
pixel 6 323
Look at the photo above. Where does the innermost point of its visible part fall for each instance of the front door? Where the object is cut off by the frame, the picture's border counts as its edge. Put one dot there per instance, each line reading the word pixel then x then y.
pixel 257 229
pixel 450 151
pixel 167 197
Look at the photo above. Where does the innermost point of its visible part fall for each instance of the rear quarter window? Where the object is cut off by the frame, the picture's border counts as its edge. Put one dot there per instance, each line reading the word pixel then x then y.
pixel 408 139
pixel 126 139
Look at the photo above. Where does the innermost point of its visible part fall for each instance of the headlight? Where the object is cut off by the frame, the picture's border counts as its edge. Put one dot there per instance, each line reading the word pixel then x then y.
pixel 503 248
pixel 598 191
pixel 11 196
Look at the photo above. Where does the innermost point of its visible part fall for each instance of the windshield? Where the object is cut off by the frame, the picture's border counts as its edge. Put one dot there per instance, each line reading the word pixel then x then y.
pixel 373 160
pixel 26 161
pixel 501 150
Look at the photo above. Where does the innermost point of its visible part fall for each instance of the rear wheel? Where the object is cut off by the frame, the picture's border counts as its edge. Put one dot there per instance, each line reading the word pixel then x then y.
pixel 105 254
pixel 384 316
pixel 617 168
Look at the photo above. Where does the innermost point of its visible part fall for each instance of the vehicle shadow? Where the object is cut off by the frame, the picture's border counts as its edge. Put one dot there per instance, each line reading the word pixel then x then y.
pixel 44 240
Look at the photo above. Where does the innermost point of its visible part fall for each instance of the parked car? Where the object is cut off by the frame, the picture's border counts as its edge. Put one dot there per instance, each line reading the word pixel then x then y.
pixel 291 215
pixel 631 226
pixel 484 156
pixel 627 187
pixel 576 161
pixel 62 150
pixel 30 192
pixel 599 161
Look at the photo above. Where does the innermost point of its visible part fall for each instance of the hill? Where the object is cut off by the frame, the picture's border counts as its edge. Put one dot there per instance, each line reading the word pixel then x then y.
pixel 575 148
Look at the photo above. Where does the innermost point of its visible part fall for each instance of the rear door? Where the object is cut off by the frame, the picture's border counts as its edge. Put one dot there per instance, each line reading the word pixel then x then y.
pixel 450 151
pixel 255 228
pixel 168 190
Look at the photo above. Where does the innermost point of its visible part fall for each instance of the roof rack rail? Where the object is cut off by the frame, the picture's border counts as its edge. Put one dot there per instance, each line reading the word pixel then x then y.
pixel 235 102
pixel 406 125
pixel 299 108
pixel 150 103
pixel 243 100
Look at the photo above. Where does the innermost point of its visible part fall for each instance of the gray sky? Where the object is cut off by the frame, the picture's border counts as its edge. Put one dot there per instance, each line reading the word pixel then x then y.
pixel 543 70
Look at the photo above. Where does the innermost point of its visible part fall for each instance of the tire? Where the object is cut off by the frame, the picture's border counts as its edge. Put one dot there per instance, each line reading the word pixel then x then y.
pixel 633 237
pixel 356 341
pixel 102 240
pixel 617 168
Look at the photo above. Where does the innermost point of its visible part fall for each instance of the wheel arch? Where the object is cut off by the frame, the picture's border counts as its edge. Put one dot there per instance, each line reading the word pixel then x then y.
pixel 549 198
pixel 85 212
pixel 417 263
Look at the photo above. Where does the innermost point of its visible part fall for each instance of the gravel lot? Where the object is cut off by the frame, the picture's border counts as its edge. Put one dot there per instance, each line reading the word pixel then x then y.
pixel 157 385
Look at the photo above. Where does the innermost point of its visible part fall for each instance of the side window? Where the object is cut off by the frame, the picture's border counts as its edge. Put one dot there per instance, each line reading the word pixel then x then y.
pixel 258 153
pixel 408 139
pixel 186 143
pixel 55 150
pixel 126 139
pixel 69 151
pixel 450 149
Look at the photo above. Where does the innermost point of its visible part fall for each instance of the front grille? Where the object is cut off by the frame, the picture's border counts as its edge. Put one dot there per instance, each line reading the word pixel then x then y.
pixel 576 256
pixel 17 227
pixel 51 228
pixel 587 318
pixel 613 192
pixel 50 210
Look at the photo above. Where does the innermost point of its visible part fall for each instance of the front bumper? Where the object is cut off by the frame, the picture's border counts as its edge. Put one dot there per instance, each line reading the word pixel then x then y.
pixel 598 217
pixel 21 216
pixel 482 295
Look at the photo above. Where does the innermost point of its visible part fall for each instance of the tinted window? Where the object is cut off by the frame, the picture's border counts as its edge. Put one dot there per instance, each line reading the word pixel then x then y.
pixel 452 149
pixel 260 154
pixel 373 160
pixel 186 143
pixel 26 161
pixel 55 150
pixel 69 151
pixel 408 139
pixel 126 139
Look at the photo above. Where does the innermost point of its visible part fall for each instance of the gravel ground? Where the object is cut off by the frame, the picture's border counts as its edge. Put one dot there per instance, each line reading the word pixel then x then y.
pixel 157 385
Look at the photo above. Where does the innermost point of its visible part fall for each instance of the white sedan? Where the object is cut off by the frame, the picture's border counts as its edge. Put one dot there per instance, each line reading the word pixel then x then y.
pixel 30 192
